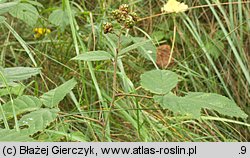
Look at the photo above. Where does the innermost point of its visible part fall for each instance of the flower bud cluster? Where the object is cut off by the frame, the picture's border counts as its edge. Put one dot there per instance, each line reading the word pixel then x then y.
pixel 123 16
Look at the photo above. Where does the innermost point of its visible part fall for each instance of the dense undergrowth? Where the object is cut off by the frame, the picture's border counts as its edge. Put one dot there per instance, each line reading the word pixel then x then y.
pixel 59 81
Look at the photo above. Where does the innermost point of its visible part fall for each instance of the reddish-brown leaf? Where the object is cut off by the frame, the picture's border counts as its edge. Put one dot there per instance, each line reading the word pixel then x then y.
pixel 163 55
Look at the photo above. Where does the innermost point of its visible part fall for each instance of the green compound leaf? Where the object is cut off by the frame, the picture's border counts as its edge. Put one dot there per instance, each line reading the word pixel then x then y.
pixel 38 120
pixel 15 89
pixel 17 73
pixel 159 81
pixel 35 3
pixel 192 104
pixel 5 7
pixel 59 18
pixel 22 105
pixel 25 12
pixel 94 56
pixel 14 136
pixel 53 97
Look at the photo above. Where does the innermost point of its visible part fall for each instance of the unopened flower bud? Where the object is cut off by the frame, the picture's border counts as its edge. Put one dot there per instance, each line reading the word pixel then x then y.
pixel 134 16
pixel 107 27
pixel 124 8
pixel 129 22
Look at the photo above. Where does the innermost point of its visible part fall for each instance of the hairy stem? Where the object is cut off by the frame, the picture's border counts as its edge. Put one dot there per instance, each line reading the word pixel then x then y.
pixel 114 85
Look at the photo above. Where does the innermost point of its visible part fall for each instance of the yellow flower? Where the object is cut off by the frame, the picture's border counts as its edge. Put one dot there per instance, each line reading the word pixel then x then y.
pixel 40 32
pixel 37 35
pixel 174 6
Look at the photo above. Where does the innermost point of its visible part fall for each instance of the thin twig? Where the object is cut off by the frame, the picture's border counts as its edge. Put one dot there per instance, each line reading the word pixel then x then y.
pixel 172 48
pixel 134 95
pixel 84 117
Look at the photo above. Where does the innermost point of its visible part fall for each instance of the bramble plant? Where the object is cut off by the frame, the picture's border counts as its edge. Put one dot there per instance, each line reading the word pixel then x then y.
pixel 126 20
pixel 161 82
pixel 102 98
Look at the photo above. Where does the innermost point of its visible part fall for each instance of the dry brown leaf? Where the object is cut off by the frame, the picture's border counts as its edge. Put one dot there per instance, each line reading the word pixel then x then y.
pixel 163 55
